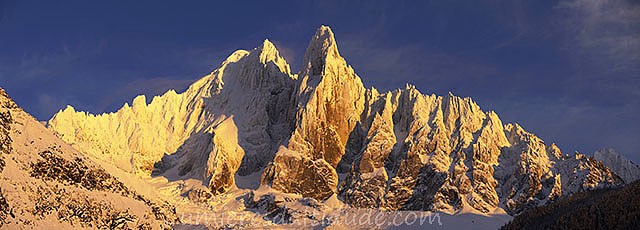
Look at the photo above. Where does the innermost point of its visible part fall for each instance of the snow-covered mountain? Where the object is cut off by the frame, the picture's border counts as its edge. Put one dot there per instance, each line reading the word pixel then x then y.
pixel 320 134
pixel 44 182
pixel 625 168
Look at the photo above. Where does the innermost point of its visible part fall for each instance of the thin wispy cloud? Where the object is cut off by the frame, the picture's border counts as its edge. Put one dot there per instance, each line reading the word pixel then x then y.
pixel 5 8
pixel 391 67
pixel 569 125
pixel 609 30
pixel 557 67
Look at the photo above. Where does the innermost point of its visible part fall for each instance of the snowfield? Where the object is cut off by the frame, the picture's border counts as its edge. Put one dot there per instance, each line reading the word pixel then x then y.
pixel 253 145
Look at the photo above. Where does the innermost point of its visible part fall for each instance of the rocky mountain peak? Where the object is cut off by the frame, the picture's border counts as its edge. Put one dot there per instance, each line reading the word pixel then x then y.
pixel 623 167
pixel 322 44
pixel 330 99
pixel 401 149
pixel 322 52
pixel 5 100
pixel 268 53
pixel 139 102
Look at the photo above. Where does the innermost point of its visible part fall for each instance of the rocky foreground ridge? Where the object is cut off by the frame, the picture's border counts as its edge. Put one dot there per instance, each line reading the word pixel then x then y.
pixel 320 133
pixel 44 182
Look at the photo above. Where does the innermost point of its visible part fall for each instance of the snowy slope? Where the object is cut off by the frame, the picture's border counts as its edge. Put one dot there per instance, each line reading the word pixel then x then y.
pixel 234 115
pixel 625 168
pixel 44 182
pixel 321 134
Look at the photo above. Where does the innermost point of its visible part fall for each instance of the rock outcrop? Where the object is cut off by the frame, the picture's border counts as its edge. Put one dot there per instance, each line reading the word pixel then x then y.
pixel 329 100
pixel 398 150
pixel 623 167
pixel 47 183
pixel 232 120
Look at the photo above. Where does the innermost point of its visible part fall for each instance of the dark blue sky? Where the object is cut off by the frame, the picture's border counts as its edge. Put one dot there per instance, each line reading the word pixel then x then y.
pixel 566 70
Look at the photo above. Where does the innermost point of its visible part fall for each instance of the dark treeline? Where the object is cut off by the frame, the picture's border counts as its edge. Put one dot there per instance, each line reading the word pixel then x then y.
pixel 599 209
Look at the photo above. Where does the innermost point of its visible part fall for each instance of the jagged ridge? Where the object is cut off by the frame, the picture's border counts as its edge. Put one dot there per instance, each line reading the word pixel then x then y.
pixel 625 168
pixel 45 182
pixel 400 149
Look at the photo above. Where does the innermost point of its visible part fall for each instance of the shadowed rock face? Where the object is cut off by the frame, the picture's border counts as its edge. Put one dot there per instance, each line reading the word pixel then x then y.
pixel 410 151
pixel 623 167
pixel 330 100
pixel 400 150
pixel 228 122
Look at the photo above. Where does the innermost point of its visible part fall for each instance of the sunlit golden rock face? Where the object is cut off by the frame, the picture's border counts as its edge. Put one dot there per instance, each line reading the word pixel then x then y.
pixel 229 121
pixel 47 183
pixel 320 132
pixel 330 100
pixel 293 172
